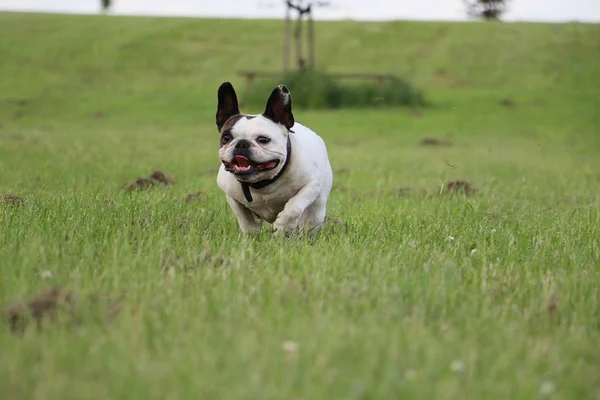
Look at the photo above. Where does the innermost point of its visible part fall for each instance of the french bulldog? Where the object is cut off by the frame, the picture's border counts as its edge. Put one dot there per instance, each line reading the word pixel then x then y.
pixel 273 168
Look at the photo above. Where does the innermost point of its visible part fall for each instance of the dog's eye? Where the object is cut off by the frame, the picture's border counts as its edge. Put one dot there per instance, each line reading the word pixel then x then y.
pixel 226 138
pixel 263 140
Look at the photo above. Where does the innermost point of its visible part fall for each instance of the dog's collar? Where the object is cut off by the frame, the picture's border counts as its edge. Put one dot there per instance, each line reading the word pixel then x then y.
pixel 266 182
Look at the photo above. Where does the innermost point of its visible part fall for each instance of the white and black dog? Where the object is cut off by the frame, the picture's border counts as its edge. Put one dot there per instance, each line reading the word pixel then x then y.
pixel 273 168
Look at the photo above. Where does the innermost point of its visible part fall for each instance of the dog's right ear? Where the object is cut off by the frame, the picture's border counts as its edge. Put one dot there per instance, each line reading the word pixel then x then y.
pixel 228 104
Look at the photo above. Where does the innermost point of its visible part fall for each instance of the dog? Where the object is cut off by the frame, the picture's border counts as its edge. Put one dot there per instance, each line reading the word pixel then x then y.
pixel 273 168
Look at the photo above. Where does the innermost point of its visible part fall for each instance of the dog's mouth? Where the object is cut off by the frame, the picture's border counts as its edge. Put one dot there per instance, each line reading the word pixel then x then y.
pixel 244 166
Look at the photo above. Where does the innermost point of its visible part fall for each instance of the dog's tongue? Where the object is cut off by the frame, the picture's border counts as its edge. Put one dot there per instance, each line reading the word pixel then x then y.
pixel 242 161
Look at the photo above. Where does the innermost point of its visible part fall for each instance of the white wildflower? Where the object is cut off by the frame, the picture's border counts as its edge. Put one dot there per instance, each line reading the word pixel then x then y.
pixel 290 346
pixel 547 388
pixel 290 349
pixel 46 274
pixel 457 366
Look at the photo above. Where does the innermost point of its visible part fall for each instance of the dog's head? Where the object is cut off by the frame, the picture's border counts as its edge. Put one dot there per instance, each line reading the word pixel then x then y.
pixel 254 147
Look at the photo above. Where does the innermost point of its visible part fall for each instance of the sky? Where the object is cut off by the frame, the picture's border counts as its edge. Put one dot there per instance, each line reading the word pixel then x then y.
pixel 518 10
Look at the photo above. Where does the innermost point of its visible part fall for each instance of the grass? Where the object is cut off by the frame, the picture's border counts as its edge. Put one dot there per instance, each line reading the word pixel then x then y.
pixel 409 295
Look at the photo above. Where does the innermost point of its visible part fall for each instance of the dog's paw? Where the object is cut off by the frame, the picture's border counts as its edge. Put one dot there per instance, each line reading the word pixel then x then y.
pixel 285 226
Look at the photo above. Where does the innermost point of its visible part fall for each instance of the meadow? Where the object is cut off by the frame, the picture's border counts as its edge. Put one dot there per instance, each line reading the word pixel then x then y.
pixel 407 292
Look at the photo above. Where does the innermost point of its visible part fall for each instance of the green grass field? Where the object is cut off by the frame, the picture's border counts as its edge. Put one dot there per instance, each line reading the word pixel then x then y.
pixel 405 294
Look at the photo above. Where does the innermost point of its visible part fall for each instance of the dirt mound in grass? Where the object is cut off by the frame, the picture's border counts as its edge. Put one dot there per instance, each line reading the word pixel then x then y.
pixel 11 200
pixel 154 179
pixel 458 186
pixel 429 141
pixel 58 304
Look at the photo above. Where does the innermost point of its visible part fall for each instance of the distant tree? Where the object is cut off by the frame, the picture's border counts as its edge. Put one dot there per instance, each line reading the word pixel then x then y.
pixel 303 8
pixel 486 9
pixel 105 5
pixel 302 11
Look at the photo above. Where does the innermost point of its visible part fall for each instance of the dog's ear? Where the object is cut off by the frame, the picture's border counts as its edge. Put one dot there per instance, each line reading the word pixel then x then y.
pixel 228 104
pixel 279 107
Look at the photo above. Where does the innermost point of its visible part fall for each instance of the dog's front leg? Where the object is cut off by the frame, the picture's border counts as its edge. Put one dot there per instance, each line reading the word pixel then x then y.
pixel 287 220
pixel 247 221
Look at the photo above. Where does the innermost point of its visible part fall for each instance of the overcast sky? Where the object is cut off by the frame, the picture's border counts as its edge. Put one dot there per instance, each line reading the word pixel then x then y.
pixel 519 10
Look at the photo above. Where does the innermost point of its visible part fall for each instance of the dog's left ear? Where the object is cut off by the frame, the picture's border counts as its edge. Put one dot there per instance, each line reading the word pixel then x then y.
pixel 228 104
pixel 279 107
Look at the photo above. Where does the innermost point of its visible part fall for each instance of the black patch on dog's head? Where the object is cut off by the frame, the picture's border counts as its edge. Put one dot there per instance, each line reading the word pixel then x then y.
pixel 227 104
pixel 229 124
pixel 279 107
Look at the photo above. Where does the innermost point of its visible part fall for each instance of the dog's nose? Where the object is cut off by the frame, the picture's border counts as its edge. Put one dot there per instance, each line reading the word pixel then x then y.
pixel 242 144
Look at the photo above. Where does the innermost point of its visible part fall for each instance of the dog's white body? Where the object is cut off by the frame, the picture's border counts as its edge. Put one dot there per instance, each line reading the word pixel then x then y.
pixel 296 200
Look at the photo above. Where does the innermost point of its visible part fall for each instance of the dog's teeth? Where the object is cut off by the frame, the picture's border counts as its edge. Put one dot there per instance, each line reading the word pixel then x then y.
pixel 242 169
